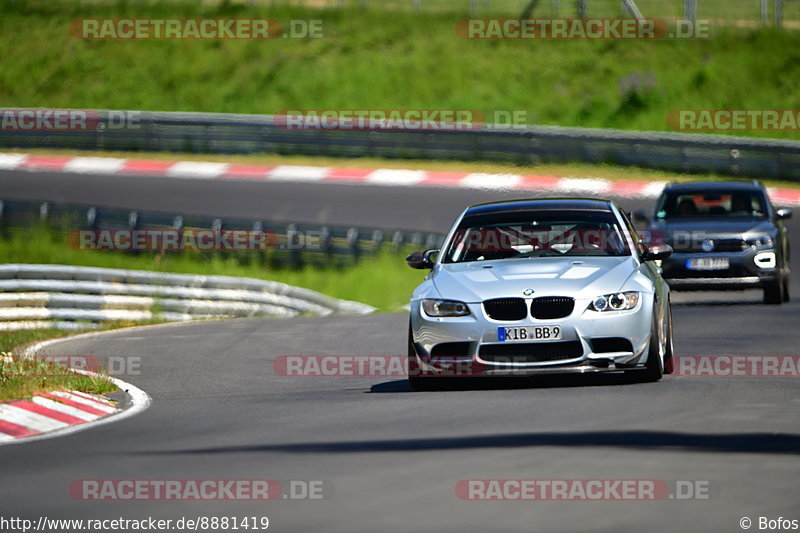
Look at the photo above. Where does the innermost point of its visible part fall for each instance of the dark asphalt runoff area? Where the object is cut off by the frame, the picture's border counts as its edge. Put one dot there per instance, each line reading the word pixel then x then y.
pixel 390 457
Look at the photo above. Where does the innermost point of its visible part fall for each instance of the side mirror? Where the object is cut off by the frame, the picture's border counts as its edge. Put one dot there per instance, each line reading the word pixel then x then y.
pixel 658 252
pixel 421 260
pixel 783 213
pixel 641 216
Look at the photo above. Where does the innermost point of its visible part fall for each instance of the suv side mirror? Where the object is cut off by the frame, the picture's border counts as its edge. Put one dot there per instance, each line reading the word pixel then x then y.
pixel 783 213
pixel 658 252
pixel 641 216
pixel 421 259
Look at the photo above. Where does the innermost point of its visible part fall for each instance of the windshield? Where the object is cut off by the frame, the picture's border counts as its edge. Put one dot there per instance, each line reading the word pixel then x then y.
pixel 743 204
pixel 532 234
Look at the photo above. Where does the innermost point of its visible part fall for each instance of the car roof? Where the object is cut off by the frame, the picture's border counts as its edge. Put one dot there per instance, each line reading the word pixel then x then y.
pixel 532 204
pixel 708 186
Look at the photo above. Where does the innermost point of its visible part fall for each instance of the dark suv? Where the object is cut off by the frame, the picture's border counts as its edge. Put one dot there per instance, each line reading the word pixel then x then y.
pixel 725 235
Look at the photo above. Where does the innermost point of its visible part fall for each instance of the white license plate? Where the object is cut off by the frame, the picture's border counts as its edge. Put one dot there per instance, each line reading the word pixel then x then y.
pixel 529 334
pixel 708 263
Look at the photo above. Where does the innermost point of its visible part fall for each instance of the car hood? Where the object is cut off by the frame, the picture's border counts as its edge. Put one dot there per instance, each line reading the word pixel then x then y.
pixel 580 277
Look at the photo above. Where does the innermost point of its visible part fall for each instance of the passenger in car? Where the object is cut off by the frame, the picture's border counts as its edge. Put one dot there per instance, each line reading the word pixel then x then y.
pixel 687 208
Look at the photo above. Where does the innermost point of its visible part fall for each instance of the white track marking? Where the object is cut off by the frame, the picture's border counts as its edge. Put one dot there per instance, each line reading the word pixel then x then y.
pixel 94 398
pixel 12 161
pixel 585 185
pixel 652 189
pixel 480 180
pixel 63 408
pixel 84 401
pixel 95 165
pixel 389 176
pixel 34 421
pixel 197 169
pixel 297 173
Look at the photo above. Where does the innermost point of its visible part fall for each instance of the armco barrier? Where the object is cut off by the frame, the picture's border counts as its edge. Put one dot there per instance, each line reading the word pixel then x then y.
pixel 294 244
pixel 232 133
pixel 60 295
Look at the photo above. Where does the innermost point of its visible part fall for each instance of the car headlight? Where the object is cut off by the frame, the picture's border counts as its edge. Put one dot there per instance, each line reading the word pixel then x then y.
pixel 759 242
pixel 444 308
pixel 618 301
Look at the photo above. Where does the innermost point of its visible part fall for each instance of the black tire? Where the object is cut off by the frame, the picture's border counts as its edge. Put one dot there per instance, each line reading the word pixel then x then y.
pixel 786 295
pixel 774 292
pixel 669 362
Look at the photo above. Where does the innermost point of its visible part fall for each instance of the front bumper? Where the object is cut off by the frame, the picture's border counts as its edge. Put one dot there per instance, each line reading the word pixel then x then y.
pixel 462 346
pixel 749 269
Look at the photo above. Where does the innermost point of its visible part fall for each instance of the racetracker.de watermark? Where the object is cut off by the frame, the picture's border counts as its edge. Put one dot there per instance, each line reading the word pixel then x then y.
pixel 190 239
pixel 733 366
pixel 399 119
pixel 199 489
pixel 580 29
pixel 582 490
pixel 43 119
pixel 202 28
pixel 733 119
pixel 57 365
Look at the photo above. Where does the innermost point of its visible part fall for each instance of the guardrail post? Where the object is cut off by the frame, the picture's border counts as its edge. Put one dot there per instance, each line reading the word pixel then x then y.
pixel 352 244
pixel 377 240
pixel 580 8
pixel 432 241
pixel 397 240
pixel 690 10
pixel 91 218
pixel 326 243
pixel 44 212
pixel 295 255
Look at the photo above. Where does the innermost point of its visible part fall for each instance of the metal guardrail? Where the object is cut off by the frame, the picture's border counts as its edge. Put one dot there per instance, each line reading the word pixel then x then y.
pixel 239 134
pixel 69 297
pixel 292 244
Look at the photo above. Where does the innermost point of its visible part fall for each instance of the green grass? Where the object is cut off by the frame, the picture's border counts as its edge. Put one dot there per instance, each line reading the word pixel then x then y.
pixel 383 59
pixel 383 281
pixel 21 378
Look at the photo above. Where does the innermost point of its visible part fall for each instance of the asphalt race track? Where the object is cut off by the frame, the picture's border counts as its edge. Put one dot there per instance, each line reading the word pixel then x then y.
pixel 393 457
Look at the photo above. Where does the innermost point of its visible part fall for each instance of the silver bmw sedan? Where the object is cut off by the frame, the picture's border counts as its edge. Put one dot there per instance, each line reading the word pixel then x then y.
pixel 539 286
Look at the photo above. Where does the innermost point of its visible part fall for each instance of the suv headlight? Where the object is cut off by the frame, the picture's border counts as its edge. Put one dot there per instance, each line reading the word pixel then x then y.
pixel 618 301
pixel 444 308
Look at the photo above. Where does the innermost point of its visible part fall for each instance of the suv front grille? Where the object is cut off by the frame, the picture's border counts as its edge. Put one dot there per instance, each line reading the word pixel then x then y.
pixel 720 246
pixel 506 308
pixel 548 307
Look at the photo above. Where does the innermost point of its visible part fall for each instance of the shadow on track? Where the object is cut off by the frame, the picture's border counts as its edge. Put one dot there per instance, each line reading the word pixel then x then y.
pixel 535 382
pixel 761 443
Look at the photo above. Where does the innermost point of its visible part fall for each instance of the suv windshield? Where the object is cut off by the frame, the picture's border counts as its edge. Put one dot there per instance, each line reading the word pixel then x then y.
pixel 536 234
pixel 719 203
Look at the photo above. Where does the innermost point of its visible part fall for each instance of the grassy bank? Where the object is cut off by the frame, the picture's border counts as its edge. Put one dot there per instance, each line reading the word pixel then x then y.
pixel 383 281
pixel 378 59
pixel 21 378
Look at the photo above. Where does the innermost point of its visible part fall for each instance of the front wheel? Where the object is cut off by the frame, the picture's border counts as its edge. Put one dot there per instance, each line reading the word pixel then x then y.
pixel 669 362
pixel 774 291
pixel 786 296
pixel 654 366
